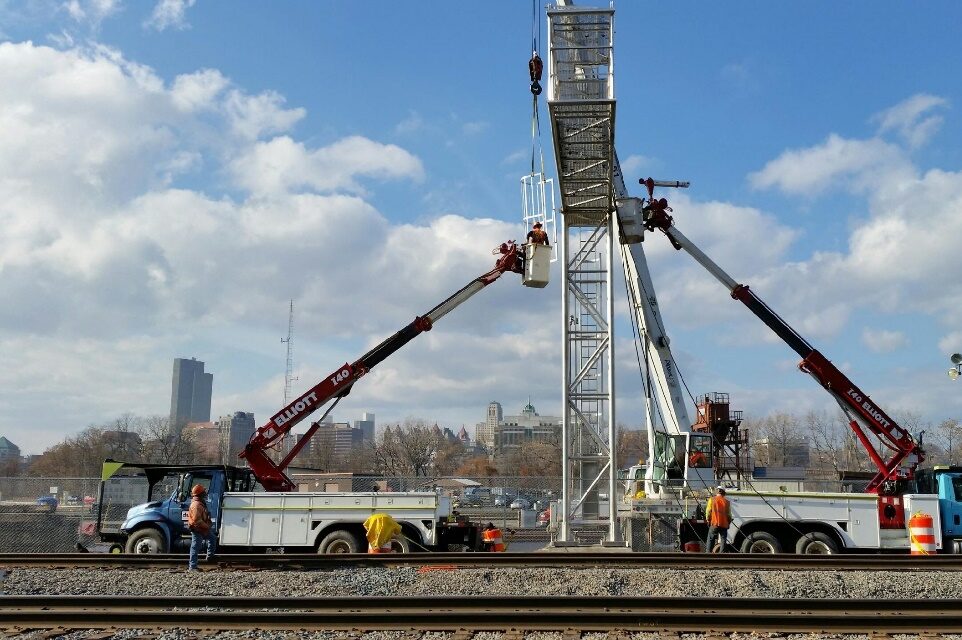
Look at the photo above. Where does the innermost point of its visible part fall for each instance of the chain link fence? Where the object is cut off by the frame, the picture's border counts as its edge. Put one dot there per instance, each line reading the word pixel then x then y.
pixel 51 515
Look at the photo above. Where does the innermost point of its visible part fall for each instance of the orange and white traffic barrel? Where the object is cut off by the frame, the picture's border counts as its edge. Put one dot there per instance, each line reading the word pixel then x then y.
pixel 922 534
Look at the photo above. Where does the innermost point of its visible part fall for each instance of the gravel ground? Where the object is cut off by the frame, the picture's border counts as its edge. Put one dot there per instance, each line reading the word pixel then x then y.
pixel 891 585
pixel 486 581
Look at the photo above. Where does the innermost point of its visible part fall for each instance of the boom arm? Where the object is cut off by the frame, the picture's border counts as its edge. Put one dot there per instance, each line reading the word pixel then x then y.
pixel 338 384
pixel 903 453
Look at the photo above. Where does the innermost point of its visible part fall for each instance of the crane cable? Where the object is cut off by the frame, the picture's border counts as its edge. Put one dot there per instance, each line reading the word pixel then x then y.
pixel 535 69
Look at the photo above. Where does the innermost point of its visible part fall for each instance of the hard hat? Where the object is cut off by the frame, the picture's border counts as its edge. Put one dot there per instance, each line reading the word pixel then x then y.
pixel 197 490
pixel 720 488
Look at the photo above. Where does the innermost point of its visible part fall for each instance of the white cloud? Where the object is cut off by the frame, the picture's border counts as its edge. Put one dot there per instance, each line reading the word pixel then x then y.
pixel 255 116
pixel 197 91
pixel 882 340
pixel 474 128
pixel 951 343
pixel 282 164
pixel 169 14
pixel 91 12
pixel 103 258
pixel 411 124
pixel 851 163
pixel 636 163
pixel 906 118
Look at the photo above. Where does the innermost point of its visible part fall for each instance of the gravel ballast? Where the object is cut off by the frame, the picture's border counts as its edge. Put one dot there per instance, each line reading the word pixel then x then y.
pixel 407 581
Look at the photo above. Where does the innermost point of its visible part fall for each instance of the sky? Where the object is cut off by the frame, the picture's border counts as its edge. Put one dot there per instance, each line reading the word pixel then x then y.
pixel 174 173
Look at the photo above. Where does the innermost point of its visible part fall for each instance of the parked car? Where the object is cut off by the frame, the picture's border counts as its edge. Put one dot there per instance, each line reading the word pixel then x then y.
pixel 521 503
pixel 502 501
pixel 541 504
pixel 50 502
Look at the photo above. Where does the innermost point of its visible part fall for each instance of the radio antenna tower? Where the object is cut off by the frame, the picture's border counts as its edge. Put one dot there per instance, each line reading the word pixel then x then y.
pixel 289 375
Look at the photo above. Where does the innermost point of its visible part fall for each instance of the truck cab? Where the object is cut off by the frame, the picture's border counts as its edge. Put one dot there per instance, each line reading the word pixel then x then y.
pixel 157 522
pixel 946 483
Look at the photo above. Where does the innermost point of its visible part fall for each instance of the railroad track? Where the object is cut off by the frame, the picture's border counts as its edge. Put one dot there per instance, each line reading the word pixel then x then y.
pixel 569 614
pixel 872 562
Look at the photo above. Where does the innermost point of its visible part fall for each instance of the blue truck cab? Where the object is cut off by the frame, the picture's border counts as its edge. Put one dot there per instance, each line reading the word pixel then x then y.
pixel 159 524
pixel 946 483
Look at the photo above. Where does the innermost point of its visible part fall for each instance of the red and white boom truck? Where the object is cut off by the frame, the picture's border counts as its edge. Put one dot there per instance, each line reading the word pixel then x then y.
pixel 809 522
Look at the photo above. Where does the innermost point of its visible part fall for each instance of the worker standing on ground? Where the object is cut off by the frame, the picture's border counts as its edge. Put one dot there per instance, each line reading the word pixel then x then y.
pixel 719 516
pixel 380 529
pixel 200 525
pixel 491 538
pixel 537 235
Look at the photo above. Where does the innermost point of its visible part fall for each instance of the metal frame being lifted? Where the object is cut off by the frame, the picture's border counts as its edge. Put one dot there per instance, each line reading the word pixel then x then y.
pixel 581 104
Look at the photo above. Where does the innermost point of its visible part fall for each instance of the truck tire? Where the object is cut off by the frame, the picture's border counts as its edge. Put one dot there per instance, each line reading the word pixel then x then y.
pixel 340 541
pixel 816 543
pixel 761 542
pixel 400 544
pixel 146 541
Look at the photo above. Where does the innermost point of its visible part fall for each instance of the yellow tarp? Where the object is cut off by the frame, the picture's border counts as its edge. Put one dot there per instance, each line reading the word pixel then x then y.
pixel 380 528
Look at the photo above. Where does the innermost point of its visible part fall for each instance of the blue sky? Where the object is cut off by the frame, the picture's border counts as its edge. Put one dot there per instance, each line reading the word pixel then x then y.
pixel 173 173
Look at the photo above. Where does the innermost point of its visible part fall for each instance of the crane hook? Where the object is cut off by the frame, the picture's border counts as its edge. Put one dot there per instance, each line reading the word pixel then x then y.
pixel 535 67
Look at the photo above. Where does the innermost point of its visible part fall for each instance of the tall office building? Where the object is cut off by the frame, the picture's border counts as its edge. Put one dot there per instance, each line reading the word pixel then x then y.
pixel 366 425
pixel 190 393
pixel 484 434
pixel 235 432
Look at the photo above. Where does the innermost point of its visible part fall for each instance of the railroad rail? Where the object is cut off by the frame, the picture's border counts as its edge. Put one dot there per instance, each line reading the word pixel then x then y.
pixel 290 561
pixel 569 614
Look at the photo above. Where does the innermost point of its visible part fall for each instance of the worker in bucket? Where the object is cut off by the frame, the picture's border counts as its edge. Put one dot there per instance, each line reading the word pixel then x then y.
pixel 380 529
pixel 537 235
pixel 718 513
pixel 201 527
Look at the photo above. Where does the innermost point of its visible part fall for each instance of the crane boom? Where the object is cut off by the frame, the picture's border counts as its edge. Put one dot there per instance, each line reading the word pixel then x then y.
pixel 897 453
pixel 338 384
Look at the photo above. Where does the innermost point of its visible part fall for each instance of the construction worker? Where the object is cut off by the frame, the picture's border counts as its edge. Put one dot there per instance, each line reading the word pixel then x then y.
pixel 718 513
pixel 201 527
pixel 537 235
pixel 380 529
pixel 697 459
pixel 491 539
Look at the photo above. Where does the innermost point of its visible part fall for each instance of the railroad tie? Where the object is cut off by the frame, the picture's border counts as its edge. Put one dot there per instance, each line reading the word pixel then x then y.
pixel 571 634
pixel 463 634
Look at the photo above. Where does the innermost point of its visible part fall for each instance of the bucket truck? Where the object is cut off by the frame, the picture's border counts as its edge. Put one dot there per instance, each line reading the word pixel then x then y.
pixel 819 523
pixel 278 516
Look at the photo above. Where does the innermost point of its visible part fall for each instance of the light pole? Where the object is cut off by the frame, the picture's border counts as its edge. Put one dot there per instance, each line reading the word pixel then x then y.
pixel 956 370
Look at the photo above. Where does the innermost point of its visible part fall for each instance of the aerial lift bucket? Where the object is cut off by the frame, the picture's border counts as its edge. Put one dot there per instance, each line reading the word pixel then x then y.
pixel 537 265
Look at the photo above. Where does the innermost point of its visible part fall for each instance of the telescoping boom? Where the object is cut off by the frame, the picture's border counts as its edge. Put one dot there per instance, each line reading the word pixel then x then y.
pixel 338 384
pixel 897 454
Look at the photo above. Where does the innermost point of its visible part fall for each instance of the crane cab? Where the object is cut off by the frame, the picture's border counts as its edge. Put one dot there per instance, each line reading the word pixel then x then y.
pixel 680 463
pixel 537 265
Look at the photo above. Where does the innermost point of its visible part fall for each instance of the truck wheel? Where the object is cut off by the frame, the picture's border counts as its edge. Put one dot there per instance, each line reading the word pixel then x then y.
pixel 339 542
pixel 400 545
pixel 146 541
pixel 816 543
pixel 761 542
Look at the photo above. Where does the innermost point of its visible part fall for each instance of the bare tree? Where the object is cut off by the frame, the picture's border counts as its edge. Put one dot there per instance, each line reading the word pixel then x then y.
pixel 164 444
pixel 411 449
pixel 947 438
pixel 533 459
pixel 778 437
pixel 632 446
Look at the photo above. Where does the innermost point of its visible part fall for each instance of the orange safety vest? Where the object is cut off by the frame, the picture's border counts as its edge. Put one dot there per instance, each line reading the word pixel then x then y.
pixel 718 512
pixel 492 537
